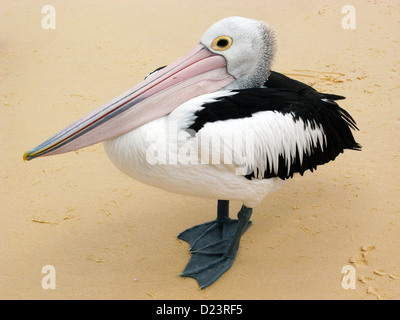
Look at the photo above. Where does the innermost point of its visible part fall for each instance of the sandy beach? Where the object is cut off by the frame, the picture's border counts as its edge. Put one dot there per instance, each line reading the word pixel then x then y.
pixel 110 237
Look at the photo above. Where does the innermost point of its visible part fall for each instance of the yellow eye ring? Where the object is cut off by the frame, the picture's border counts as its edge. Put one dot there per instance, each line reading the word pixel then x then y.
pixel 221 43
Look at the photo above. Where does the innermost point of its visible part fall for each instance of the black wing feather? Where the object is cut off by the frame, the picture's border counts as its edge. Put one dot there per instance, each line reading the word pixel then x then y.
pixel 285 95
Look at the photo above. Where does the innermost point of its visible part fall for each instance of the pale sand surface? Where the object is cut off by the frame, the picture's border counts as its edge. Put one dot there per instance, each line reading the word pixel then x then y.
pixel 111 237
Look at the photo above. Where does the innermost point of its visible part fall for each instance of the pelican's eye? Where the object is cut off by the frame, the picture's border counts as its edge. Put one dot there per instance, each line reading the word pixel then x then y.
pixel 221 43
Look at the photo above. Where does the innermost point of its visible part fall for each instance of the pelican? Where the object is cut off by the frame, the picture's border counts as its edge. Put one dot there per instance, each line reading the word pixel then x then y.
pixel 216 123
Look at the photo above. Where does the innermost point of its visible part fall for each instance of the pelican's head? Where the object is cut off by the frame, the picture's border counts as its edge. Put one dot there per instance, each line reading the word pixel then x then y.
pixel 247 45
pixel 233 53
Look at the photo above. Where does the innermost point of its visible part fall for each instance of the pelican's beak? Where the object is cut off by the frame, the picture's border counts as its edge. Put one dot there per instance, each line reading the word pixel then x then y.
pixel 198 72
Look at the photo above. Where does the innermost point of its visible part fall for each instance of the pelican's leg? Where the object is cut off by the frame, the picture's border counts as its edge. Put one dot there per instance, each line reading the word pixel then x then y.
pixel 214 245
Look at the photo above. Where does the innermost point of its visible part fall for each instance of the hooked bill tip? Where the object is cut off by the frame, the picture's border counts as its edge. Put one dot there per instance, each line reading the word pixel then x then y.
pixel 26 156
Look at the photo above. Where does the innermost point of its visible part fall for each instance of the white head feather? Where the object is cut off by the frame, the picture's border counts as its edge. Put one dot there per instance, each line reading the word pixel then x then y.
pixel 250 56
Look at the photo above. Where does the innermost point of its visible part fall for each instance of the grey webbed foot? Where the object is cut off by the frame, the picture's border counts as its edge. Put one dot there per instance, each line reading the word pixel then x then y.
pixel 214 244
